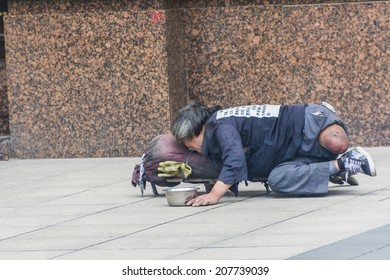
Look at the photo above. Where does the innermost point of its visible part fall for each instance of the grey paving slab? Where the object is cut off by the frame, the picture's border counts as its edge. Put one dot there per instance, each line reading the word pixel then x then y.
pixel 372 244
pixel 123 254
pixel 87 209
pixel 29 255
pixel 240 253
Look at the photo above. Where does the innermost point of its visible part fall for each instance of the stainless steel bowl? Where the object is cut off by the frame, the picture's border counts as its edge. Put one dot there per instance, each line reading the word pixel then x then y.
pixel 179 196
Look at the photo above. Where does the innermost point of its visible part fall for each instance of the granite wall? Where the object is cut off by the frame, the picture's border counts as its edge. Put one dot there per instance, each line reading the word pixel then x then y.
pixel 4 115
pixel 101 78
pixel 85 81
pixel 339 53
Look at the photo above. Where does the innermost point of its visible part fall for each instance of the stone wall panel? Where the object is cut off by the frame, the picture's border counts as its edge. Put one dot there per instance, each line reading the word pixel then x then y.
pixel 86 84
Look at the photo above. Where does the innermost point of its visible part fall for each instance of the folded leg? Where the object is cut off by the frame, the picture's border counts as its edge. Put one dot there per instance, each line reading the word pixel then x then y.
pixel 301 176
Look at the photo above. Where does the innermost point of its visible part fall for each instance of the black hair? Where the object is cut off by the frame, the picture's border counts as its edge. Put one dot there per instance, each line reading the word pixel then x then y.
pixel 191 119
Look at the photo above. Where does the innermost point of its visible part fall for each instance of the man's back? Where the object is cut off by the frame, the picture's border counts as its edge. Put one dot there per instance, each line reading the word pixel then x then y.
pixel 269 134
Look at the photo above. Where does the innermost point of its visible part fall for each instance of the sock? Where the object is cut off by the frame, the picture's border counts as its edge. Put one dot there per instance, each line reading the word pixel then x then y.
pixel 341 164
pixel 333 168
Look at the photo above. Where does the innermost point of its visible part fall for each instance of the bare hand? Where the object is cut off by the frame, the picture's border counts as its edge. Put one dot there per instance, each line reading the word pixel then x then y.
pixel 203 200
pixel 211 198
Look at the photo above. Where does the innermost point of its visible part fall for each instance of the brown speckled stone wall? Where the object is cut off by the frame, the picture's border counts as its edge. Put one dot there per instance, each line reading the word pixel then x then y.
pixel 296 54
pixel 340 53
pixel 79 6
pixel 177 69
pixel 233 3
pixel 5 147
pixel 239 60
pixel 4 115
pixel 227 3
pixel 97 78
pixel 86 84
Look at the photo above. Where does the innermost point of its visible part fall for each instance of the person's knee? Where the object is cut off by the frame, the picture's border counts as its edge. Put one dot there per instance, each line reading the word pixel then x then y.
pixel 271 182
pixel 335 139
pixel 276 181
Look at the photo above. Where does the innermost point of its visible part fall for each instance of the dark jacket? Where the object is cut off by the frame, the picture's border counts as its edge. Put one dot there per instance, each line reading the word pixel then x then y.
pixel 269 134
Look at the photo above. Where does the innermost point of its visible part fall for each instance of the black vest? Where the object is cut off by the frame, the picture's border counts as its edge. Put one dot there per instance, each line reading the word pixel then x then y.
pixel 270 135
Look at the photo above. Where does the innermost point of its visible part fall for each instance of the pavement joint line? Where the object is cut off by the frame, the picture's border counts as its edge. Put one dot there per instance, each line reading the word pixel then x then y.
pixel 83 191
pixel 158 225
pixel 207 210
pixel 354 257
pixel 45 250
pixel 20 183
pixel 108 209
pixel 370 192
pixel 180 218
pixel 70 251
pixel 369 252
pixel 272 224
pixel 73 219
pixel 54 175
pixel 211 245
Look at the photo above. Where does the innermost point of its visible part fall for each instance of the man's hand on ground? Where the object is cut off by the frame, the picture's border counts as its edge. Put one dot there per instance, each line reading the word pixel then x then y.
pixel 212 197
pixel 203 200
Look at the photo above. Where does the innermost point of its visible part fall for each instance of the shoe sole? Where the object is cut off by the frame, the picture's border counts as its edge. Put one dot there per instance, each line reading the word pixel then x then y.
pixel 352 181
pixel 370 161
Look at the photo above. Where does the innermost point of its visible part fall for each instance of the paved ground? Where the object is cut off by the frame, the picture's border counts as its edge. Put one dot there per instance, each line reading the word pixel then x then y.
pixel 87 209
